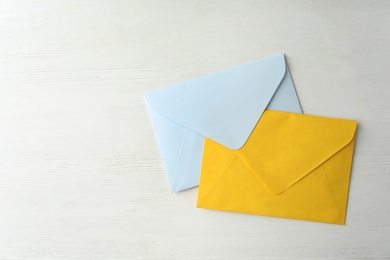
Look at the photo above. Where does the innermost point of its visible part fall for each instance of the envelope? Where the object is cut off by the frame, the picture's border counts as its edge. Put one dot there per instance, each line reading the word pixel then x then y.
pixel 223 106
pixel 292 166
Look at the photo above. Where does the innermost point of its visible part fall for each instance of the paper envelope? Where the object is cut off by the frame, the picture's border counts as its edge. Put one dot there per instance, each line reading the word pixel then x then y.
pixel 224 106
pixel 292 166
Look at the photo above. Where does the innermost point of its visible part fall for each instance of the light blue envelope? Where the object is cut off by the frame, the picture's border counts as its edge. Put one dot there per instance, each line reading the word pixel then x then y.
pixel 223 106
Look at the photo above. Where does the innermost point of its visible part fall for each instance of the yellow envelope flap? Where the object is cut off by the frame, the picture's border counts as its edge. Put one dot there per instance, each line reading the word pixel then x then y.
pixel 285 147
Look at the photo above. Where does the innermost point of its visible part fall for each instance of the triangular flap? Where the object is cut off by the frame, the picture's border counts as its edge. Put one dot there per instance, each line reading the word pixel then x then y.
pixel 181 150
pixel 223 106
pixel 170 138
pixel 285 97
pixel 285 147
pixel 189 162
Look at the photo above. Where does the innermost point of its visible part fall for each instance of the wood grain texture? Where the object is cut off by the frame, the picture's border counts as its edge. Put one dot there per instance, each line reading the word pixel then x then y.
pixel 80 173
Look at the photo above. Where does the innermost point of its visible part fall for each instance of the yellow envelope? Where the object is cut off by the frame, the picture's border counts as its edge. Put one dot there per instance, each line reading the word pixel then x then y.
pixel 292 166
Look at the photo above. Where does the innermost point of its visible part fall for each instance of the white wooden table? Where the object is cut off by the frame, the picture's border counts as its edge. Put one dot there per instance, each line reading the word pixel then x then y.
pixel 80 173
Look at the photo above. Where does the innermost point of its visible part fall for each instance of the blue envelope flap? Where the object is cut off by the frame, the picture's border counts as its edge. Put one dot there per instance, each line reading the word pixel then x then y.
pixel 223 106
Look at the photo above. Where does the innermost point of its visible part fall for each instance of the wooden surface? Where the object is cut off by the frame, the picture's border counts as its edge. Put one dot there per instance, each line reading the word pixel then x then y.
pixel 80 173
